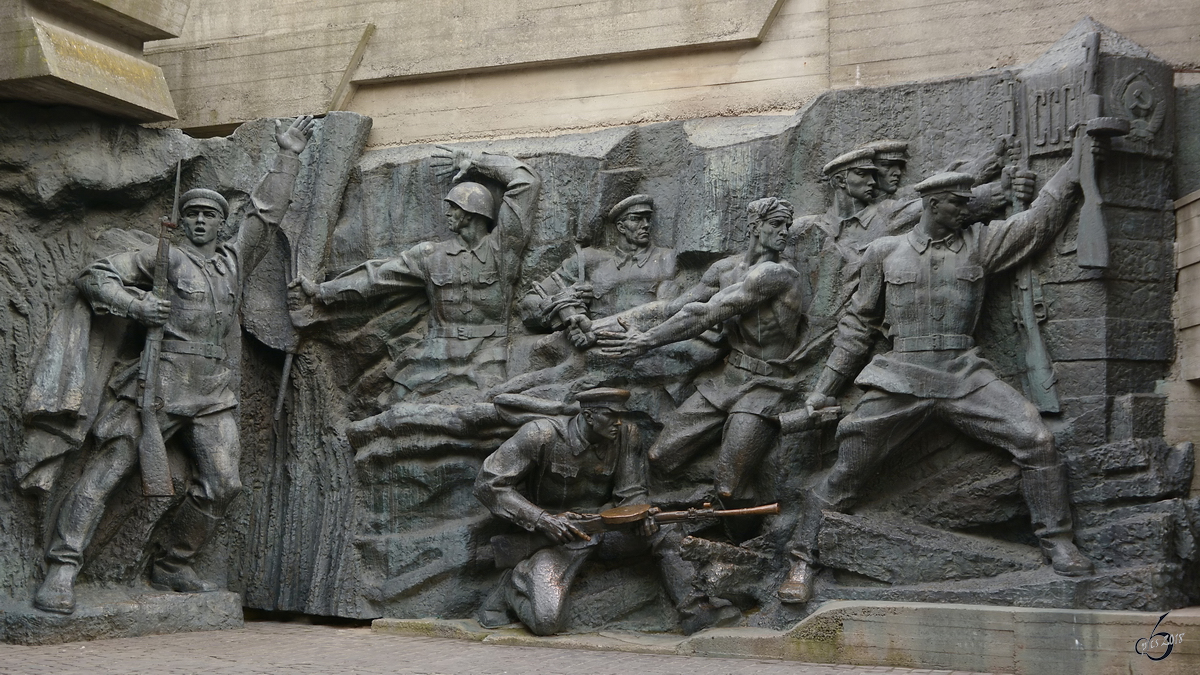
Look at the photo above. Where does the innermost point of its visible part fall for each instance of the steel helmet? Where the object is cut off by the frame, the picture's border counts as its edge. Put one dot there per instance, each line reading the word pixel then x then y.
pixel 472 198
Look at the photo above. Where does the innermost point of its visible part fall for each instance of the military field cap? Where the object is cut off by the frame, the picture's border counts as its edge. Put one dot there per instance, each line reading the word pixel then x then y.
pixel 863 158
pixel 203 196
pixel 953 182
pixel 635 204
pixel 889 151
pixel 603 397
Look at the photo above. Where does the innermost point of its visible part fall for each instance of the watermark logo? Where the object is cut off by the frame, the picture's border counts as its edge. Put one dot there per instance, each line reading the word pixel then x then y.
pixel 1160 643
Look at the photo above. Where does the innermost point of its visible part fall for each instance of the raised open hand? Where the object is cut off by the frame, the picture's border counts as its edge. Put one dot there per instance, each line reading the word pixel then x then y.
pixel 295 137
pixel 448 160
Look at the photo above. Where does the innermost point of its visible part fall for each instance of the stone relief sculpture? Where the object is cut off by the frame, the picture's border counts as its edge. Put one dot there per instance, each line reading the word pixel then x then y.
pixel 195 398
pixel 570 466
pixel 598 283
pixel 927 288
pixel 470 405
pixel 760 297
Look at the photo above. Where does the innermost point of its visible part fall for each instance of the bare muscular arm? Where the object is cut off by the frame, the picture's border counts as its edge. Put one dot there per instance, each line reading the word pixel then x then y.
pixel 763 283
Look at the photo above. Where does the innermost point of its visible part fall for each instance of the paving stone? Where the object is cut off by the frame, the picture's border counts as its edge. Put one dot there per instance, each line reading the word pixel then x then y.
pixel 299 649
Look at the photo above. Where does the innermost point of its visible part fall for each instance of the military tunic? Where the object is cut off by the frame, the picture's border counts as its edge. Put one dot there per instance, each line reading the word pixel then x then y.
pixel 929 294
pixel 470 292
pixel 196 385
pixel 620 280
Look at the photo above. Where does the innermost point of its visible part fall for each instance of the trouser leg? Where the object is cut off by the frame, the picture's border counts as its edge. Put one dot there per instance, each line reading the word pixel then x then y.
pixel 999 415
pixel 687 430
pixel 746 440
pixel 216 450
pixel 540 585
pixel 84 504
pixel 880 424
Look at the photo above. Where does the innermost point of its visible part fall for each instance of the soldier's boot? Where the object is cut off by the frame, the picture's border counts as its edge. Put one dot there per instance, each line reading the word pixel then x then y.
pixel 493 612
pixel 57 592
pixel 797 588
pixel 190 529
pixel 1046 494
pixel 700 613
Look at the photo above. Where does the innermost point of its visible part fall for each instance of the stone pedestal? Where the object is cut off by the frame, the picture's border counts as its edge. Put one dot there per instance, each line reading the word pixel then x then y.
pixel 119 613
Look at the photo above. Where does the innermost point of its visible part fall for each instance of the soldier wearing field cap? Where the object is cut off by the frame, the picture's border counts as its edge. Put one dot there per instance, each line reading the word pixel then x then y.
pixel 555 468
pixel 633 273
pixel 196 389
pixel 828 246
pixel 891 158
pixel 927 288
pixel 900 208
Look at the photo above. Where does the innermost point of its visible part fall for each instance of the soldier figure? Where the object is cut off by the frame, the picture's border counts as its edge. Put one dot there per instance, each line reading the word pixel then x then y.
pixel 927 288
pixel 635 273
pixel 195 384
pixel 469 279
pixel 759 296
pixel 832 243
pixel 557 467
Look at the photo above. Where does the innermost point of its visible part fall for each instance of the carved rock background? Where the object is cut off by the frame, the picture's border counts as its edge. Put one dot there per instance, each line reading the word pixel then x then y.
pixel 390 527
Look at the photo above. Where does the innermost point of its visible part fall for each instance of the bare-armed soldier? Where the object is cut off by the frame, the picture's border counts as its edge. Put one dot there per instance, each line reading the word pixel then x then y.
pixel 197 388
pixel 759 297
pixel 927 288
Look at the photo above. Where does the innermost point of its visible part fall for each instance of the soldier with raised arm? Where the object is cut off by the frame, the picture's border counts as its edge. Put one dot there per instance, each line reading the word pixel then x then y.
pixel 468 279
pixel 195 386
pixel 926 288
pixel 759 296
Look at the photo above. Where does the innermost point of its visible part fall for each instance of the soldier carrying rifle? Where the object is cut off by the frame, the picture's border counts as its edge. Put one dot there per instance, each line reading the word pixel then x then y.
pixel 549 473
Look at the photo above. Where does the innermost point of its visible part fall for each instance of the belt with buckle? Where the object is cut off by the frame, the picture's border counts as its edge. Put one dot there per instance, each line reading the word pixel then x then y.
pixel 932 343
pixel 194 348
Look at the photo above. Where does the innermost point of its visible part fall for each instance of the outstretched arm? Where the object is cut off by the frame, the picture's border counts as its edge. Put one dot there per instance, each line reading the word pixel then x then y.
pixel 762 284
pixel 510 466
pixel 855 330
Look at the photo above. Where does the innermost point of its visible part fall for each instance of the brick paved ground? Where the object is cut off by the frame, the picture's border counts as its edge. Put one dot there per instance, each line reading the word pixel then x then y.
pixel 264 647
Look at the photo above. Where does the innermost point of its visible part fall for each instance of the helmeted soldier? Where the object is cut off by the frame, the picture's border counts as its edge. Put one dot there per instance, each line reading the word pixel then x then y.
pixel 927 288
pixel 468 279
pixel 197 388
pixel 547 474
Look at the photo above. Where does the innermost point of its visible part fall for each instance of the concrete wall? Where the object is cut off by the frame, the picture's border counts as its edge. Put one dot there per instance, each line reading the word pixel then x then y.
pixel 432 70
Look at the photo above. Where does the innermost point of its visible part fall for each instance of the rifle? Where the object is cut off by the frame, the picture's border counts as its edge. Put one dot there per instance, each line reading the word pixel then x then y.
pixel 1092 241
pixel 1028 308
pixel 626 516
pixel 152 451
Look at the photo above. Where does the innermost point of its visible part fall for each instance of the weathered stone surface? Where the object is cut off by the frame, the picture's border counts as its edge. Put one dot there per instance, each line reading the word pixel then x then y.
pixel 898 551
pixel 350 512
pixel 50 64
pixel 119 613
pixel 1145 588
pixel 1136 469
